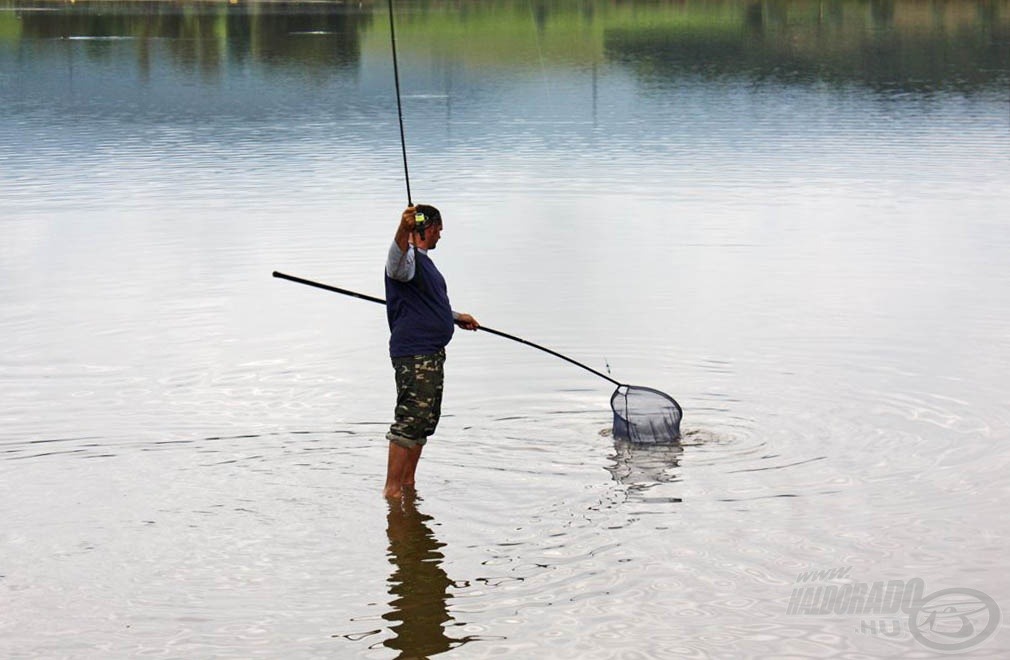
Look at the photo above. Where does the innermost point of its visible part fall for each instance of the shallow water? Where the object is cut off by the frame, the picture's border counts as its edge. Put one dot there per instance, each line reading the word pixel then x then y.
pixel 790 217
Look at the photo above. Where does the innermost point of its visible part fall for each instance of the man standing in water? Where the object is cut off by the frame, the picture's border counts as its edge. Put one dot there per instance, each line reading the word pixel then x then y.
pixel 420 324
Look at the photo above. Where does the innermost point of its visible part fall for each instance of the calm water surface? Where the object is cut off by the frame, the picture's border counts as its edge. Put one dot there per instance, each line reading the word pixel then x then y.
pixel 790 216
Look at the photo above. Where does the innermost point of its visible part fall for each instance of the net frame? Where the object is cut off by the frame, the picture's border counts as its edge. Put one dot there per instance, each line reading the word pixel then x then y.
pixel 652 417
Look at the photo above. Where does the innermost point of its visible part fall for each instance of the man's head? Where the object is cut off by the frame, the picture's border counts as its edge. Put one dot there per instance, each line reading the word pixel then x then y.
pixel 430 229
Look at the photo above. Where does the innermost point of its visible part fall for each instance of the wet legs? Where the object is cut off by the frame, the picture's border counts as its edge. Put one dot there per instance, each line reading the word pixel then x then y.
pixel 400 468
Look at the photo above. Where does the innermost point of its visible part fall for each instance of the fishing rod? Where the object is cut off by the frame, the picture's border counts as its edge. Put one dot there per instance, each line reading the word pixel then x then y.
pixel 399 105
pixel 406 178
pixel 362 296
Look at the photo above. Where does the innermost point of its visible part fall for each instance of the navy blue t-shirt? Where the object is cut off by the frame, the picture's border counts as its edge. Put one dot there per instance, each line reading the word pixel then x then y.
pixel 418 311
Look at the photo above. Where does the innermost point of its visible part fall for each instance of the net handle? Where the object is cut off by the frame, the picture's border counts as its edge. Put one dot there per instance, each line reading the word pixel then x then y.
pixel 362 296
pixel 550 352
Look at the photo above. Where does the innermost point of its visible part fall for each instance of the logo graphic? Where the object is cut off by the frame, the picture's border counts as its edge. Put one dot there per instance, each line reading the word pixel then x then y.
pixel 954 619
pixel 949 620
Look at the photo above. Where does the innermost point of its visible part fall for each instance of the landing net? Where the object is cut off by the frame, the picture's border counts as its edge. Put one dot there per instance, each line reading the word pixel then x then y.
pixel 643 415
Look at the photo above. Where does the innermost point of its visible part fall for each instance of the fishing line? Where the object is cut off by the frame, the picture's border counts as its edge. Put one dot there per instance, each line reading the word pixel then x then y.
pixel 399 104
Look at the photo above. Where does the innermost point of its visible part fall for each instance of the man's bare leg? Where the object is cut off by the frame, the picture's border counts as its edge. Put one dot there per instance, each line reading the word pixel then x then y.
pixel 411 466
pixel 397 465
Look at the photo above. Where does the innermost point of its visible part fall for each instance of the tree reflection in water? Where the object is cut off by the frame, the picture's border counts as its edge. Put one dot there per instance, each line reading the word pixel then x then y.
pixel 419 587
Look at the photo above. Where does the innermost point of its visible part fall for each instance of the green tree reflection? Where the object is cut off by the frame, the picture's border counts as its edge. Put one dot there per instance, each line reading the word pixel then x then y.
pixel 884 44
pixel 914 45
pixel 204 38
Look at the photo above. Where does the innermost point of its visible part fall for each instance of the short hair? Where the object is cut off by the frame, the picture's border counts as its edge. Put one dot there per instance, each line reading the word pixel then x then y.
pixel 430 213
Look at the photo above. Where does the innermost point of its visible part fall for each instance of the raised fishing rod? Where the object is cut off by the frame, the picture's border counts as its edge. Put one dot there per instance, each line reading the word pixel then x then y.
pixel 641 414
pixel 406 178
pixel 399 105
pixel 362 296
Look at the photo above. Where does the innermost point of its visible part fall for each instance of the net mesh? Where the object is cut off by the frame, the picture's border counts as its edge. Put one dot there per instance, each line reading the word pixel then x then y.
pixel 643 415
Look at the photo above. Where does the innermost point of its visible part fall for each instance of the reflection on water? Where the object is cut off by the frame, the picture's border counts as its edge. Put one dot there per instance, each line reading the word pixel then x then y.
pixel 419 611
pixel 890 44
pixel 788 215
pixel 894 46
pixel 208 37
pixel 642 467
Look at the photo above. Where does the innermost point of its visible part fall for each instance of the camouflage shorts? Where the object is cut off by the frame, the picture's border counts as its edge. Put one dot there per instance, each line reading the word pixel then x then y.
pixel 418 398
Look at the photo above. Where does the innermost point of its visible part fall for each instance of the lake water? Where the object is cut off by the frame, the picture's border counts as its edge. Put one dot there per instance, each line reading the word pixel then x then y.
pixel 793 217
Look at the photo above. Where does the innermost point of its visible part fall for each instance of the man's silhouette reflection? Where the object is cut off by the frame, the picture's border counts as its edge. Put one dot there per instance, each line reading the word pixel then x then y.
pixel 418 585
